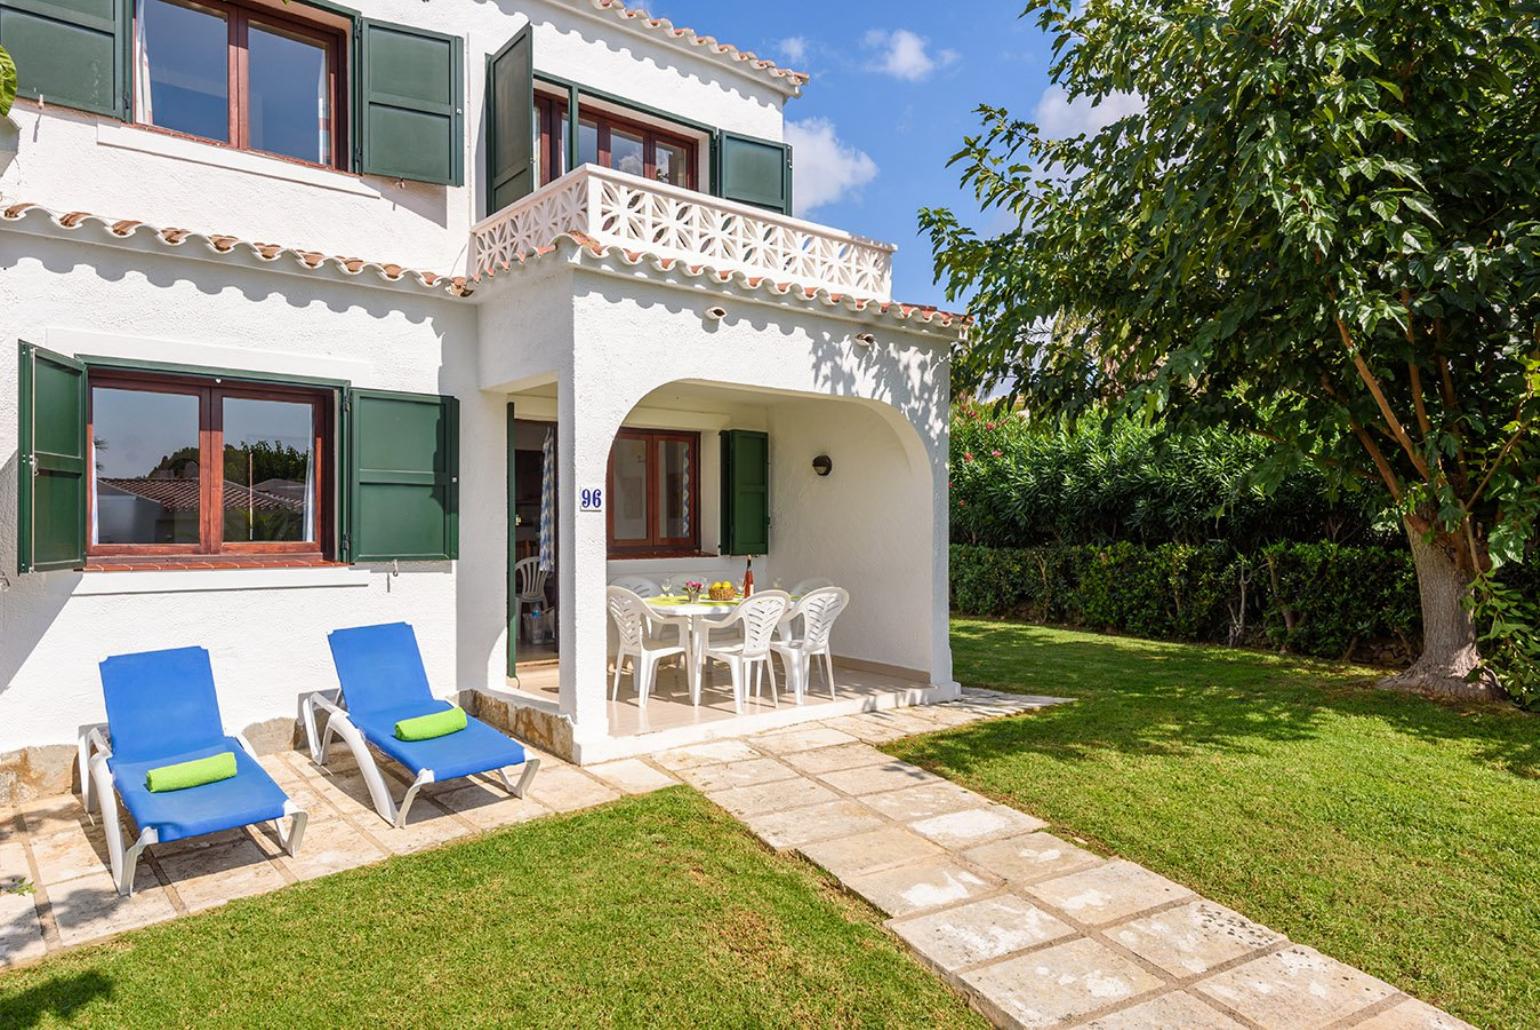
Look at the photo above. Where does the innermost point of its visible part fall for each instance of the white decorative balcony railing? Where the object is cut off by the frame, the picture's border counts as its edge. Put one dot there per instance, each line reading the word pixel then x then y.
pixel 635 214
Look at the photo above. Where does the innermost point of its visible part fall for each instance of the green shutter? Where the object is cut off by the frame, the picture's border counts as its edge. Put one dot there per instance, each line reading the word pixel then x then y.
pixel 753 171
pixel 403 477
pixel 69 52
pixel 410 125
pixel 510 103
pixel 51 516
pixel 745 492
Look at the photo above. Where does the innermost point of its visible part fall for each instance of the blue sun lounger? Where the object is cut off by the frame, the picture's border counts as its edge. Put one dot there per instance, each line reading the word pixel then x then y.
pixel 383 682
pixel 162 710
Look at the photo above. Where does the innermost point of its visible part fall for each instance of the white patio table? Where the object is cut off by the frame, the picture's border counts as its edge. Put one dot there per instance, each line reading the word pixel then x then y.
pixel 695 639
pixel 696 612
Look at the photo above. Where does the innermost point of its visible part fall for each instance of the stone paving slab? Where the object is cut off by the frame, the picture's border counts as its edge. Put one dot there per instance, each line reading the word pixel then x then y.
pixel 1108 893
pixel 841 756
pixel 971 826
pixel 89 908
pixel 207 877
pixel 711 752
pixel 1296 987
pixel 1412 1014
pixel 632 776
pixel 790 829
pixel 1031 858
pixel 747 773
pixel 21 932
pixel 777 796
pixel 914 888
pixel 1060 982
pixel 1191 939
pixel 872 779
pixel 1175 1011
pixel 923 801
pixel 801 738
pixel 846 857
pixel 979 931
pixel 872 727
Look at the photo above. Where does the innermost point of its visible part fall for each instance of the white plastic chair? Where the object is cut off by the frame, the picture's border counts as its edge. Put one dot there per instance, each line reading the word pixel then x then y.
pixel 758 616
pixel 633 620
pixel 643 587
pixel 528 587
pixel 817 610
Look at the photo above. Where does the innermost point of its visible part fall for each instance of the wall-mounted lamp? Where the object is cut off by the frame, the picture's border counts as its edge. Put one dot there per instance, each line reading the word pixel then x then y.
pixel 714 314
pixel 865 339
pixel 823 465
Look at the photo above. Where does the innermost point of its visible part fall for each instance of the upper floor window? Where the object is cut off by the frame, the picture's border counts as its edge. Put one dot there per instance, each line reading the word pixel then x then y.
pixel 241 76
pixel 613 142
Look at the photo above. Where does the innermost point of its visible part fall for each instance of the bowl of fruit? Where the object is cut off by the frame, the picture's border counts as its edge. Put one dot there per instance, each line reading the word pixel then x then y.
pixel 722 591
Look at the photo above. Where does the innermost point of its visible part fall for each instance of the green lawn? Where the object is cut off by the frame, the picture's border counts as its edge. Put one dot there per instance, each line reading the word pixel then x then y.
pixel 1396 834
pixel 658 911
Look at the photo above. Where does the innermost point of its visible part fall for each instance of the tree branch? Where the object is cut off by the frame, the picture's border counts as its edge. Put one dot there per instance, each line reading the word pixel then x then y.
pixel 1386 472
pixel 1396 428
pixel 1486 480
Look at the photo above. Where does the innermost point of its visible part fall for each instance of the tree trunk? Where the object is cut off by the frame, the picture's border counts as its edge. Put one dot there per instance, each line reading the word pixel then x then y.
pixel 1449 652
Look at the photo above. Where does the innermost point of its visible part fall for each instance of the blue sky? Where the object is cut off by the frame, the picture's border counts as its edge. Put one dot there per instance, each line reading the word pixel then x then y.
pixel 893 93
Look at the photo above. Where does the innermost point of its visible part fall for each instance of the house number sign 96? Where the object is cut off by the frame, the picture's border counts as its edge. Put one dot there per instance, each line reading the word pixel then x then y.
pixel 591 499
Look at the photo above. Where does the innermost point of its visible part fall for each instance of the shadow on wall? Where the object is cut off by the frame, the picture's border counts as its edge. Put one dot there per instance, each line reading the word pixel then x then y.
pixel 31 603
pixel 214 278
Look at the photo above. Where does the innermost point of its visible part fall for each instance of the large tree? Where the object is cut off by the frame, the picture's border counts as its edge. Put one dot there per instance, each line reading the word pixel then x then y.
pixel 1322 224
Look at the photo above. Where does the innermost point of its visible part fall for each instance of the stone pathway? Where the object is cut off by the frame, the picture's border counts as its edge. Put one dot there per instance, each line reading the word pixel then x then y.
pixel 1032 929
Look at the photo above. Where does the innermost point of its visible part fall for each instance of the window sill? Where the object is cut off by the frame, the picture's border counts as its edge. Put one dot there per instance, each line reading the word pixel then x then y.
pixel 657 555
pixel 182 562
pixel 181 148
pixel 172 577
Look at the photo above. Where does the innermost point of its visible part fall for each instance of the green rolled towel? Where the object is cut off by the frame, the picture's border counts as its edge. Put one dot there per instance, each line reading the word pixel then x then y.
pixel 426 727
pixel 191 774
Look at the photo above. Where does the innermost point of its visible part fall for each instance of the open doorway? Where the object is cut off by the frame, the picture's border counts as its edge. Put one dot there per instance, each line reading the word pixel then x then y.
pixel 533 584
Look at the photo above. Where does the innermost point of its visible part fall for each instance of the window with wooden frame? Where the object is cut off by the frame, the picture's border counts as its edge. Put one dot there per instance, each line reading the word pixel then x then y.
pixel 245 77
pixel 187 466
pixel 613 142
pixel 654 493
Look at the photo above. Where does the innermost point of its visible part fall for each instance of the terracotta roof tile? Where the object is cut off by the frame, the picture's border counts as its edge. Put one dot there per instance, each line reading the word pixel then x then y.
pixel 791 81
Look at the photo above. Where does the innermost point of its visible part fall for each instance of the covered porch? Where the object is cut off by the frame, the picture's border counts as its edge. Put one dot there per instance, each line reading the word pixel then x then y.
pixel 642 377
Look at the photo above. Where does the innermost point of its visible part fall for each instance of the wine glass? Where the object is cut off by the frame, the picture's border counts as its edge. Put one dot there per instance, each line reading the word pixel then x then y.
pixel 668 586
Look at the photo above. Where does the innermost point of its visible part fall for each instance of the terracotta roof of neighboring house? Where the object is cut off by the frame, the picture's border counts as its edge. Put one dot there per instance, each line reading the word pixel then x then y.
pixel 790 81
pixel 183 494
pixel 575 244
pixel 222 245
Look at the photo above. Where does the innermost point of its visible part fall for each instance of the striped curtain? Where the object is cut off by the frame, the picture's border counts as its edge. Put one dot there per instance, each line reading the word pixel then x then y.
pixel 548 502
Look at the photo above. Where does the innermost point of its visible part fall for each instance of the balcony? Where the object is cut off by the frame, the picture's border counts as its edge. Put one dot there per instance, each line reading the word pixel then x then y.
pixel 635 214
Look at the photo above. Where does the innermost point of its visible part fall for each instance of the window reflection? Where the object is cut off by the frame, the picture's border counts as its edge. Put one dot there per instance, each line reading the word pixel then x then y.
pixel 145 456
pixel 628 152
pixel 674 489
pixel 289 96
pixel 269 491
pixel 182 78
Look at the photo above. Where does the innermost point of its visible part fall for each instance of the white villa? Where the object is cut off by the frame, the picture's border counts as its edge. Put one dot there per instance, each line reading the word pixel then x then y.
pixel 329 315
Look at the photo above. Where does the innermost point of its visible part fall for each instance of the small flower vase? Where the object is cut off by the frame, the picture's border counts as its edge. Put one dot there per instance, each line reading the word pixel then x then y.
pixel 691 595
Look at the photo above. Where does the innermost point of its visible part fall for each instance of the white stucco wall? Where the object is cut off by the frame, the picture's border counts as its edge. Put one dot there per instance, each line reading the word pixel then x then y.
pixel 267 629
pixel 69 160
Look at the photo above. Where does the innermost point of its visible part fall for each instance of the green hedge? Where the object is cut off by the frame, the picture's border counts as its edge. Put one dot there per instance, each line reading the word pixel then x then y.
pixel 1315 599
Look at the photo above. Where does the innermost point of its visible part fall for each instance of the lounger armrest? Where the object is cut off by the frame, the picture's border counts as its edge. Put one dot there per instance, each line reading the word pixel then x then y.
pixel 93 740
pixel 240 738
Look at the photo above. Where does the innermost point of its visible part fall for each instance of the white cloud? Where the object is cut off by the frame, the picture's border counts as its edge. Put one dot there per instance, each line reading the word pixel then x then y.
pixel 793 49
pixel 826 168
pixel 905 55
pixel 1059 116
